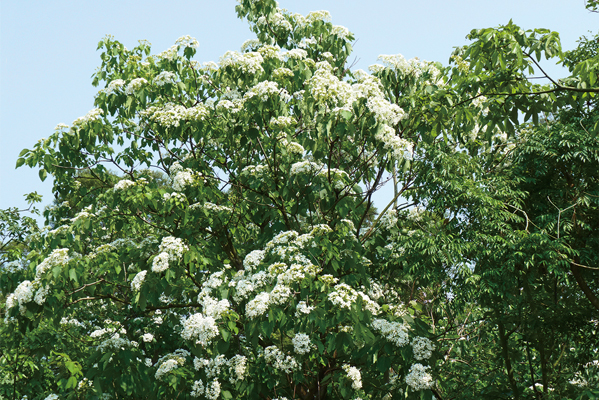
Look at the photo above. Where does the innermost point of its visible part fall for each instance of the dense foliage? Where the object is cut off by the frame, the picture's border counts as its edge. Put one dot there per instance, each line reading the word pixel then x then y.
pixel 213 233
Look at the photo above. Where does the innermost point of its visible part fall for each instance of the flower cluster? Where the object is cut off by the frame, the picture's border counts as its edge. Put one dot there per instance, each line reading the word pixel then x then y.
pixel 200 329
pixel 354 375
pixel 171 249
pixel 247 63
pixel 401 149
pixel 422 348
pixel 123 184
pixel 138 280
pixel 395 332
pixel 164 77
pixel 170 115
pixel 265 89
pixel 135 85
pixel 187 41
pixel 418 378
pixel 278 360
pixel 92 115
pixel 302 343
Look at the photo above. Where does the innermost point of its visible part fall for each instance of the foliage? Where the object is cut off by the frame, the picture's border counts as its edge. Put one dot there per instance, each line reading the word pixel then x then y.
pixel 213 230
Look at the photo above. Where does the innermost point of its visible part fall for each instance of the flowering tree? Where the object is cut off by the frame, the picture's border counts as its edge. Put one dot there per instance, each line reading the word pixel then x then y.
pixel 214 233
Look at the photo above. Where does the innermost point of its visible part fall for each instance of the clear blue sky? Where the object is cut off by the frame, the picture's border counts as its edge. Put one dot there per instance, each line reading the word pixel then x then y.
pixel 48 49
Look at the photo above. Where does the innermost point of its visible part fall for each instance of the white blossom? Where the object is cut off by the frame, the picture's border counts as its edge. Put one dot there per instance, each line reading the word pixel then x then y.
pixel 135 85
pixel 354 375
pixel 278 360
pixel 258 306
pixel 418 378
pixel 200 329
pixel 422 348
pixel 395 332
pixel 302 343
pixel 138 280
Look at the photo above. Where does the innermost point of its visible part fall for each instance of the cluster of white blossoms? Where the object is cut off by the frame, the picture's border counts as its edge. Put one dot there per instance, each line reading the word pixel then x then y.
pixel 28 291
pixel 115 86
pixel 303 308
pixel 135 85
pixel 164 77
pixel 187 41
pixel 266 89
pixel 354 375
pixel 170 115
pixel 280 361
pixel 253 259
pixel 247 63
pixel 302 343
pixel 22 295
pixel 418 378
pixel 276 20
pixel 395 332
pixel 258 306
pixel 57 257
pixel 295 54
pixel 181 177
pixel 200 329
pixel 385 111
pixel 281 74
pixel 123 184
pixel 389 219
pixel 414 66
pixel 92 115
pixel 422 348
pixel 401 149
pixel 147 337
pixel 171 249
pixel 138 280
pixel 281 122
pixel 343 296
pixel 211 392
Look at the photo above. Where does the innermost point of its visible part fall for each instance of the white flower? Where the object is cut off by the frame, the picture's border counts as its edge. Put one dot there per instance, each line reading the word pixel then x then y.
pixel 147 337
pixel 57 257
pixel 214 390
pixel 92 115
pixel 166 367
pixel 160 263
pixel 138 280
pixel 395 332
pixel 302 343
pixel 343 296
pixel 135 85
pixel 422 348
pixel 279 294
pixel 40 295
pixel 418 378
pixel 164 77
pixel 247 63
pixel 182 179
pixel 197 389
pixel 258 306
pixel 200 329
pixel 123 184
pixel 115 85
pixel 51 396
pixel 354 374
pixel 278 360
pixel 302 308
pixel 253 259
pixel 187 41
pixel 237 368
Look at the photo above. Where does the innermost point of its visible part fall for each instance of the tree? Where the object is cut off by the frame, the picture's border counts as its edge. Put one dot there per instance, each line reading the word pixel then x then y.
pixel 220 237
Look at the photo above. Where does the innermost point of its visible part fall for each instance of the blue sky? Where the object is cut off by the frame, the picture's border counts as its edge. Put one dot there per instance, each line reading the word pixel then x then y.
pixel 48 50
